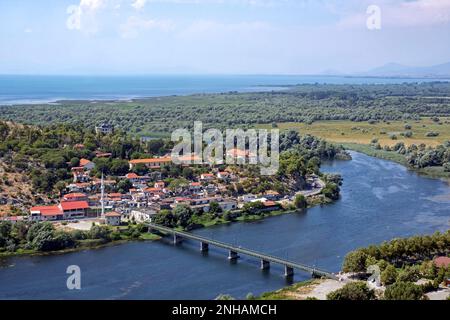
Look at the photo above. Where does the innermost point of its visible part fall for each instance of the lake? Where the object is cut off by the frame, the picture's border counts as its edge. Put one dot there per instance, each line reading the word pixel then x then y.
pixel 380 200
pixel 22 89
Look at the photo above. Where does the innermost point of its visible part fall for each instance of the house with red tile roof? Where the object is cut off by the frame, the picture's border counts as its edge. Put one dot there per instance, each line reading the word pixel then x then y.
pixel 153 163
pixel 46 213
pixel 442 262
pixel 76 196
pixel 113 218
pixel 87 164
pixel 74 209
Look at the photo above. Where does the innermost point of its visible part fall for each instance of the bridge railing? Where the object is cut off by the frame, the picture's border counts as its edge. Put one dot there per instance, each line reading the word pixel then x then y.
pixel 245 251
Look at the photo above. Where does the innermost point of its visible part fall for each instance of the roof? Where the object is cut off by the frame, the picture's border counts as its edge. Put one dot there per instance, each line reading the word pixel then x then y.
pixel 235 152
pixel 132 176
pixel 151 160
pixel 195 184
pixel 207 175
pixel 115 195
pixel 269 204
pixel 84 162
pixel 443 262
pixel 74 195
pixel 47 210
pixel 152 190
pixel 189 158
pixel 224 173
pixel 74 205
pixel 112 214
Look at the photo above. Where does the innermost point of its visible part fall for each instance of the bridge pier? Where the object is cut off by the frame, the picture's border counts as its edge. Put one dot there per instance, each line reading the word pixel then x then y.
pixel 204 247
pixel 265 265
pixel 177 239
pixel 232 255
pixel 288 271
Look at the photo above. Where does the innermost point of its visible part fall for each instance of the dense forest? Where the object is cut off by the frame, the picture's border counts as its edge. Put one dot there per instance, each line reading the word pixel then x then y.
pixel 303 103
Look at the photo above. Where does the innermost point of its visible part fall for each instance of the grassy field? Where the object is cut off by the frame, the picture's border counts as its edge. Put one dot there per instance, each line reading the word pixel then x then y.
pixel 364 132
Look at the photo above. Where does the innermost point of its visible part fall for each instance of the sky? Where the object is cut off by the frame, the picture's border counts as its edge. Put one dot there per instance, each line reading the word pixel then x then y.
pixel 220 36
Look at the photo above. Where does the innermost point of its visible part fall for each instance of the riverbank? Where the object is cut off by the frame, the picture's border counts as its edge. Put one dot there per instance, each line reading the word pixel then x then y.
pixel 88 244
pixel 430 172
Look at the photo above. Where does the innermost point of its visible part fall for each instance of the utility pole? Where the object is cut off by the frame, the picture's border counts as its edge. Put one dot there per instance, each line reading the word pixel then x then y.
pixel 102 199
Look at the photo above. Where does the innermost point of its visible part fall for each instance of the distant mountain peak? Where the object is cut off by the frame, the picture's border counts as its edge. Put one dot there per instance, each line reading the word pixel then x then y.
pixel 393 69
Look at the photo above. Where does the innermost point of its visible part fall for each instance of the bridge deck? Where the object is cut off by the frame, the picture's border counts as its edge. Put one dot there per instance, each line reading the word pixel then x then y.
pixel 245 251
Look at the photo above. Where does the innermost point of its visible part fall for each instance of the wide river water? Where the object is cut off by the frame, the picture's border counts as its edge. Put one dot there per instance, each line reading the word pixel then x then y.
pixel 380 200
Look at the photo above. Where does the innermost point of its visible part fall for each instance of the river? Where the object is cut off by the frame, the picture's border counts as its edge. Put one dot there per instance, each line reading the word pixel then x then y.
pixel 380 200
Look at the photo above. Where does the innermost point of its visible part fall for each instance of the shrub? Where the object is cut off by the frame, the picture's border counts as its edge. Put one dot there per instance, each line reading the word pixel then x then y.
pixel 352 291
pixel 403 291
pixel 389 275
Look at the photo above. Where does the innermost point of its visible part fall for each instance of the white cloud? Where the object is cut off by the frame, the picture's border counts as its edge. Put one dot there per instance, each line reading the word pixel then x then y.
pixel 28 30
pixel 138 4
pixel 82 16
pixel 404 14
pixel 134 25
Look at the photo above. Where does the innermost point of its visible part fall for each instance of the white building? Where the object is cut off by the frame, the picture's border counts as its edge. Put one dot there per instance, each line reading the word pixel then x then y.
pixel 143 215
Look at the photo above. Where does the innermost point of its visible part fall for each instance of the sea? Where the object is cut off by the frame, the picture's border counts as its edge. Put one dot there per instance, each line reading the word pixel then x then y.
pixel 32 89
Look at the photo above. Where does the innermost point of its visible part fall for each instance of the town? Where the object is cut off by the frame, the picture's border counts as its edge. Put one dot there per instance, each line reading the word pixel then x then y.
pixel 148 195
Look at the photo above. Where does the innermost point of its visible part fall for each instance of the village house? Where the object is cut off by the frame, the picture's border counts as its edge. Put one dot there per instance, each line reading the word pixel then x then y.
pixel 77 196
pixel 240 155
pixel 272 195
pixel 87 164
pixel 160 185
pixel 79 187
pixel 45 213
pixel 207 177
pixel 113 218
pixel 142 215
pixel 442 262
pixel 223 175
pixel 80 174
pixel 247 198
pixel 152 163
pixel 74 209
pixel 104 128
pixel 99 154
pixel 65 210
pixel 136 180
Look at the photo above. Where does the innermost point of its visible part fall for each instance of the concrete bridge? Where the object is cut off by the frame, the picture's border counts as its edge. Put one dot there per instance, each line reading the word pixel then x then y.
pixel 234 251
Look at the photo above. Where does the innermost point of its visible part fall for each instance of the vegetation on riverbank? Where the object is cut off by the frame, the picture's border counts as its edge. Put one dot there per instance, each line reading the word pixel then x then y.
pixel 41 237
pixel 438 171
pixel 402 262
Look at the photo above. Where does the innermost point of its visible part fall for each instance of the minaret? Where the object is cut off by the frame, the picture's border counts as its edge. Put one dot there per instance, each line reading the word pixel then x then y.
pixel 102 199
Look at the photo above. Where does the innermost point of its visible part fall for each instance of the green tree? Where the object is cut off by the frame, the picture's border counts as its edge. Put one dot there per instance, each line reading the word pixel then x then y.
pixel 389 275
pixel 355 261
pixel 300 202
pixel 403 291
pixel 352 291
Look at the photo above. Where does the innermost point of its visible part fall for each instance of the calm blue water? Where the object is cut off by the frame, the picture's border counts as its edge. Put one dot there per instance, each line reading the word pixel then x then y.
pixel 41 89
pixel 380 200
